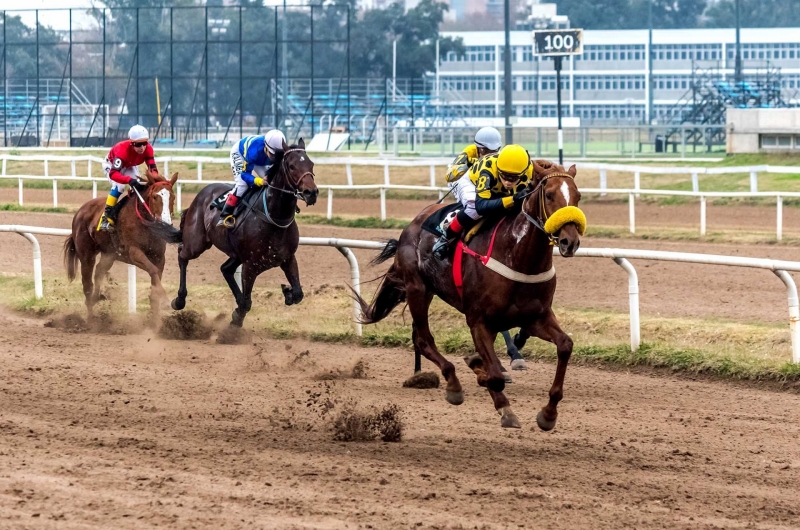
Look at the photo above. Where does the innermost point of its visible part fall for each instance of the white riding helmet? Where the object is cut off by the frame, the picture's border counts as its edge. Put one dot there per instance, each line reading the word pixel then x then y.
pixel 138 133
pixel 274 140
pixel 489 138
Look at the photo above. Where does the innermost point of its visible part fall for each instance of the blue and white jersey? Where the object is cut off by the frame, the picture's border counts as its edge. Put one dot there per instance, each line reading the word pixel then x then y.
pixel 252 150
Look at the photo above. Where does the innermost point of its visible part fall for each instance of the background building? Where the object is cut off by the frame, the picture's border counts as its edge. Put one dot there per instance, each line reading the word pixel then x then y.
pixel 609 83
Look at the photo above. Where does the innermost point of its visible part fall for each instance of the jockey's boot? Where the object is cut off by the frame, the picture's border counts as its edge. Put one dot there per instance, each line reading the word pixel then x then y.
pixel 461 223
pixel 109 216
pixel 226 217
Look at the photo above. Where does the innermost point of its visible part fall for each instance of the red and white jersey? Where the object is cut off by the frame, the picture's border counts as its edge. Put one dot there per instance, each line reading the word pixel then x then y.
pixel 124 155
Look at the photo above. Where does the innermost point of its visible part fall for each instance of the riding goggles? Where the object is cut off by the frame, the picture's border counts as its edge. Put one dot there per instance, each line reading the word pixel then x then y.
pixel 139 144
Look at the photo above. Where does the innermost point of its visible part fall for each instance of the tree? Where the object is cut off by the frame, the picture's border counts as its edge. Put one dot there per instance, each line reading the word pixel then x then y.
pixel 754 14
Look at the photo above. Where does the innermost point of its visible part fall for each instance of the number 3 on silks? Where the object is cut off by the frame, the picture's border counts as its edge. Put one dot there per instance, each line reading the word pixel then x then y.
pixel 117 163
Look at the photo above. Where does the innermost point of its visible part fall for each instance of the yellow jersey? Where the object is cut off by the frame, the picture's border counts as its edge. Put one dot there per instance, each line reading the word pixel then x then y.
pixel 491 192
pixel 461 164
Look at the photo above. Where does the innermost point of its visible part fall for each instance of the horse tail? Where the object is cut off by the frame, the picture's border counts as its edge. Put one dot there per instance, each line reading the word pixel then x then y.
pixel 388 252
pixel 70 257
pixel 165 231
pixel 391 293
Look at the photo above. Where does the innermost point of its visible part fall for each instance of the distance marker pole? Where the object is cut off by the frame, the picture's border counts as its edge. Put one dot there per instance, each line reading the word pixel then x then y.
pixel 557 60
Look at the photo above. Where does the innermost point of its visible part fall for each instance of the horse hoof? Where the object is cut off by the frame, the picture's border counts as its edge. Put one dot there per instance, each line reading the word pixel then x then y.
pixel 288 299
pixel 544 424
pixel 236 320
pixel 507 377
pixel 508 420
pixel 454 398
pixel 177 304
pixel 519 364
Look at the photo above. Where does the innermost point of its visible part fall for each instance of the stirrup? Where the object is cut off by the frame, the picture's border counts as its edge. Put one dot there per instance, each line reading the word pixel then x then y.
pixel 106 224
pixel 441 248
pixel 228 221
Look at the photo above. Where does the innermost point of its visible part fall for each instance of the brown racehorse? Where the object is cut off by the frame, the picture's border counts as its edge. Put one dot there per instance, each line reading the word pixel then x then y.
pixel 490 301
pixel 265 236
pixel 131 242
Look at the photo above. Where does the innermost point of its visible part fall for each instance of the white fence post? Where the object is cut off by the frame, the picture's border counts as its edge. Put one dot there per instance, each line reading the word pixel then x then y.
pixel 73 169
pixel 794 312
pixel 753 182
pixel 199 171
pixel 355 284
pixel 55 193
pixel 94 189
pixel 21 202
pixel 89 168
pixel 131 289
pixel 695 182
pixel 4 166
pixel 349 170
pixel 633 301
pixel 603 181
pixel 178 198
pixel 632 213
pixel 637 181
pixel 46 169
pixel 433 175
pixel 383 204
pixel 702 215
pixel 330 203
pixel 237 276
pixel 779 230
pixel 386 173
pixel 166 168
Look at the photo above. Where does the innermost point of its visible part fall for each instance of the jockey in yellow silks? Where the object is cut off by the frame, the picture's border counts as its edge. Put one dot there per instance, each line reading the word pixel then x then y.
pixel 499 181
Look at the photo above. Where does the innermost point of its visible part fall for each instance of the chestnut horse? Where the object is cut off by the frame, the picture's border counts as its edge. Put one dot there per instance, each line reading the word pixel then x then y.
pixel 520 249
pixel 131 242
pixel 265 235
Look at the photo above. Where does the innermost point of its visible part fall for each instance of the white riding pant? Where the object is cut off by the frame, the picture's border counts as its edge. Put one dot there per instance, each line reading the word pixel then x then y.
pixel 237 166
pixel 465 193
pixel 127 171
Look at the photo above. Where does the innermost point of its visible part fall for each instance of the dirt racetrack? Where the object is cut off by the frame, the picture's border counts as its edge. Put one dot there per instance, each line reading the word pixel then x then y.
pixel 135 432
pixel 132 431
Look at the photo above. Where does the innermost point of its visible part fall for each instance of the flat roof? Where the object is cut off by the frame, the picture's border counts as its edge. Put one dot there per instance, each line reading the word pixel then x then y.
pixel 639 36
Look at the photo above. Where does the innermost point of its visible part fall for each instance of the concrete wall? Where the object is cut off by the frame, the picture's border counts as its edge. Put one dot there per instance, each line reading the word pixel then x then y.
pixel 746 126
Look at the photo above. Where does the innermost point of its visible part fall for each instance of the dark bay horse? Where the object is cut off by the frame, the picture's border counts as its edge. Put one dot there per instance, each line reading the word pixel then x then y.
pixel 131 242
pixel 491 301
pixel 264 237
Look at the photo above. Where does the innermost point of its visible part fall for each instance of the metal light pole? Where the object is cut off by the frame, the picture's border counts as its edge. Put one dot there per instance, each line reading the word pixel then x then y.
pixel 507 76
pixel 650 62
pixel 738 64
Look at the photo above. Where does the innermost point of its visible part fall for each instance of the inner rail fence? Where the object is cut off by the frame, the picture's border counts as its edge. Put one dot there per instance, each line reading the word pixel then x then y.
pixel 621 257
pixel 632 194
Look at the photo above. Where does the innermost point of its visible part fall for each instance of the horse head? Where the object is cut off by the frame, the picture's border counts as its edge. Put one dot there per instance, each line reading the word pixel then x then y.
pixel 159 196
pixel 298 170
pixel 554 204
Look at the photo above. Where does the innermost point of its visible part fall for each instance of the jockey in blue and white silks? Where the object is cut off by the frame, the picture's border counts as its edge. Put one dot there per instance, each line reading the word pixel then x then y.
pixel 251 158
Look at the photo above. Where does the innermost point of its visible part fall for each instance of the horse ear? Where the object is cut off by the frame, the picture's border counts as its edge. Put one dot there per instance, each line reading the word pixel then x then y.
pixel 174 179
pixel 538 171
pixel 284 146
pixel 572 170
pixel 149 176
pixel 301 143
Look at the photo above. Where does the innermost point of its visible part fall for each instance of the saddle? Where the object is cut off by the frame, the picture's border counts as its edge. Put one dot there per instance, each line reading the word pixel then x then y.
pixel 219 202
pixel 433 222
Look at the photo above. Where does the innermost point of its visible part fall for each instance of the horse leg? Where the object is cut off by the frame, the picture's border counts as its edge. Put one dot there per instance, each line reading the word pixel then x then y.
pixel 549 330
pixel 419 300
pixel 517 362
pixel 521 338
pixel 100 273
pixel 249 275
pixel 157 292
pixel 484 344
pixel 293 293
pixel 87 268
pixel 228 270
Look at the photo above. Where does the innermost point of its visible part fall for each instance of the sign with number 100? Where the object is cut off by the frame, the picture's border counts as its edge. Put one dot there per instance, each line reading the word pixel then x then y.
pixel 552 42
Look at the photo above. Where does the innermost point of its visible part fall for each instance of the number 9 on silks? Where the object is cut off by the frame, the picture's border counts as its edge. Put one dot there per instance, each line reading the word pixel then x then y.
pixel 121 167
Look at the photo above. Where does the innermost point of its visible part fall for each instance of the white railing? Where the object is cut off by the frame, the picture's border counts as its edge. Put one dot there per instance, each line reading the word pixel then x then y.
pixel 383 188
pixel 620 256
pixel 432 163
pixel 342 245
